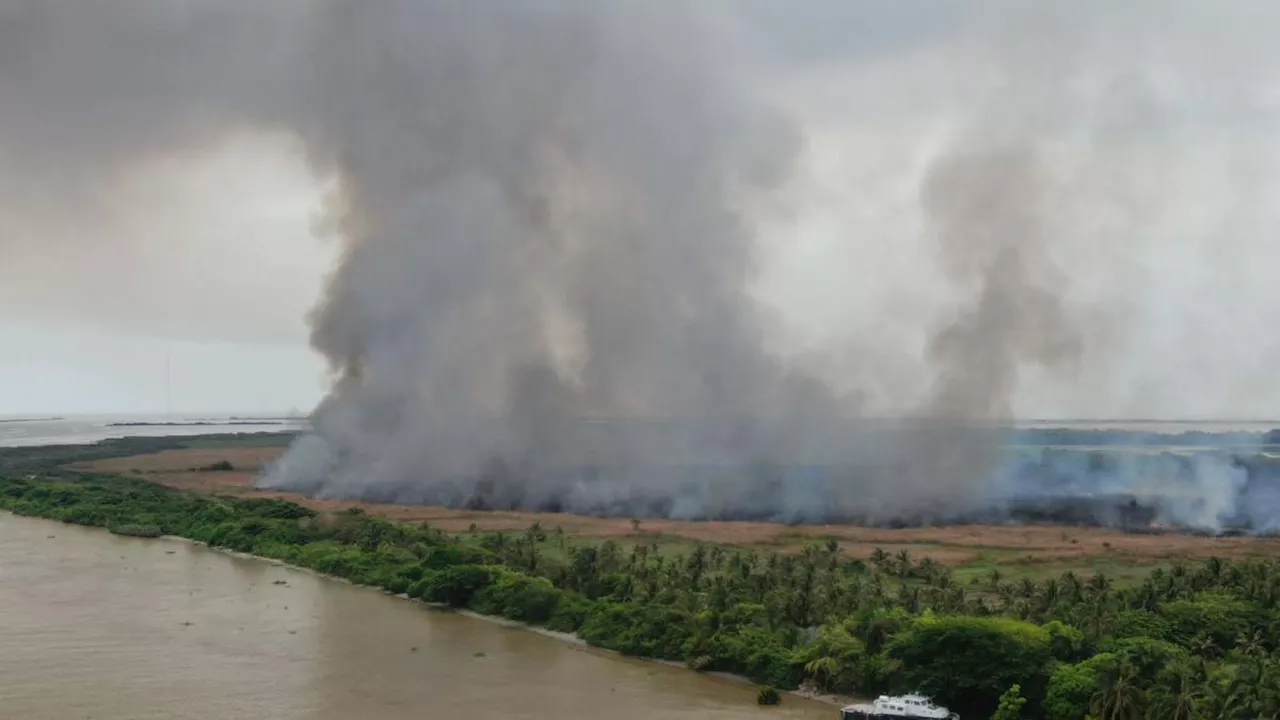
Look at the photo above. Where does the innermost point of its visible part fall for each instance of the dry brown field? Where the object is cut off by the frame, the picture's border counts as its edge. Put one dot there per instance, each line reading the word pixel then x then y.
pixel 970 549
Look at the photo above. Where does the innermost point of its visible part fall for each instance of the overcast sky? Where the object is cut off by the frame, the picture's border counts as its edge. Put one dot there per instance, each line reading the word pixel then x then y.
pixel 212 283
pixel 1159 121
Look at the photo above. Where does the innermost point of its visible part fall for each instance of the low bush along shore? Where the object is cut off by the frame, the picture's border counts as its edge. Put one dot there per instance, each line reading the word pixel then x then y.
pixel 1188 641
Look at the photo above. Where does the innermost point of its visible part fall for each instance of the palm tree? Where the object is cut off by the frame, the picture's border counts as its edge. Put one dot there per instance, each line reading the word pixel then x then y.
pixel 1051 592
pixel 1021 609
pixel 1267 694
pixel 1222 700
pixel 697 564
pixel 1252 646
pixel 909 596
pixel 1100 584
pixel 717 557
pixel 1099 615
pixel 1072 586
pixel 534 533
pixel 822 670
pixel 1007 594
pixel 879 558
pixel 904 562
pixel 1204 646
pixel 1120 698
pixel 1213 568
pixel 1147 598
pixel 1027 588
pixel 942 579
pixel 1175 701
pixel 928 568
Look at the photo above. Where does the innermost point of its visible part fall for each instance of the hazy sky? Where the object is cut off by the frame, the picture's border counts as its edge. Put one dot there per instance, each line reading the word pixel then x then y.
pixel 1157 120
pixel 212 283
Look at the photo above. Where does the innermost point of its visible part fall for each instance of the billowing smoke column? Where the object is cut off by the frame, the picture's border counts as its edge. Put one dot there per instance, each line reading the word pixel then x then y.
pixel 547 215
pixel 543 299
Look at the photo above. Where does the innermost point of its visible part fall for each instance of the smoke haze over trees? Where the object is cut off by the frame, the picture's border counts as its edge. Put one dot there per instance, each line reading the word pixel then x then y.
pixel 557 225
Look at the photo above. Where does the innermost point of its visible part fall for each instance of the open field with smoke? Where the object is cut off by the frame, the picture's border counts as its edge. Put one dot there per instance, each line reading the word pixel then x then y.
pixel 1219 483
pixel 551 224
pixel 1202 481
pixel 1017 542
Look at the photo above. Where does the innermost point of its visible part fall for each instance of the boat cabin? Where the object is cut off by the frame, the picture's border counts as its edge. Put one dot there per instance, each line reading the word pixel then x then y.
pixel 903 707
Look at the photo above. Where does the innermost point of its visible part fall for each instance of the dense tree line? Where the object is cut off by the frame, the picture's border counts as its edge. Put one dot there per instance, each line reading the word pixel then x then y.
pixel 1191 641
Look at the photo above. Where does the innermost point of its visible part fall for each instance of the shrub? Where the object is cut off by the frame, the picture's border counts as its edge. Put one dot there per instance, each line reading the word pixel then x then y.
pixel 758 654
pixel 967 663
pixel 1072 687
pixel 643 630
pixel 1140 623
pixel 143 531
pixel 1066 643
pixel 518 597
pixel 455 586
pixel 220 466
pixel 1011 703
pixel 570 612
pixel 1215 614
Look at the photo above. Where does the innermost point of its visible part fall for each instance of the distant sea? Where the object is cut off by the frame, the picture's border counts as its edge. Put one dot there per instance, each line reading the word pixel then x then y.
pixel 18 431
pixel 22 431
pixel 1164 427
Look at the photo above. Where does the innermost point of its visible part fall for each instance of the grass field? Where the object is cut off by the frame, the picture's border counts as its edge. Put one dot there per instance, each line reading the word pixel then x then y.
pixel 972 551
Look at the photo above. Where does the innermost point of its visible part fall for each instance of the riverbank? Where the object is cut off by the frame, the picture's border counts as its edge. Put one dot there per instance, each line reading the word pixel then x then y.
pixel 810 694
pixel 487 574
pixel 893 624
pixel 838 701
pixel 119 628
pixel 559 636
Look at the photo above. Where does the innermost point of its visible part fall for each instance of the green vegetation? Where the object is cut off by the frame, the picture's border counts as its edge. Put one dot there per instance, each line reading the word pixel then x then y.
pixel 1011 703
pixel 219 466
pixel 1184 642
pixel 49 459
pixel 146 531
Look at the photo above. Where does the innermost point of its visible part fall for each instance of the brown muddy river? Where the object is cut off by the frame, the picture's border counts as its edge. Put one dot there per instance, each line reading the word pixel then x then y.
pixel 97 626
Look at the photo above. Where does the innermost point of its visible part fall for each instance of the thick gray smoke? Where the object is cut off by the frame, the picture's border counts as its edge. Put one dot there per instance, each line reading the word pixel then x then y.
pixel 544 296
pixel 548 213
pixel 991 216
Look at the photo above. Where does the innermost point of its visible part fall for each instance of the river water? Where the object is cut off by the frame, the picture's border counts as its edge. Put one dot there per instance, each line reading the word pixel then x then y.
pixel 110 628
pixel 84 429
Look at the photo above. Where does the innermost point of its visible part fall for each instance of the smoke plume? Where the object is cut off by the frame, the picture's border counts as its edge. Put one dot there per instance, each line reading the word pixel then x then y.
pixel 543 216
pixel 550 214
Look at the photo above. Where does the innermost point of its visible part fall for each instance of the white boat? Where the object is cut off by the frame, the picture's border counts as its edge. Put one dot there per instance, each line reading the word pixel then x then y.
pixel 902 706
